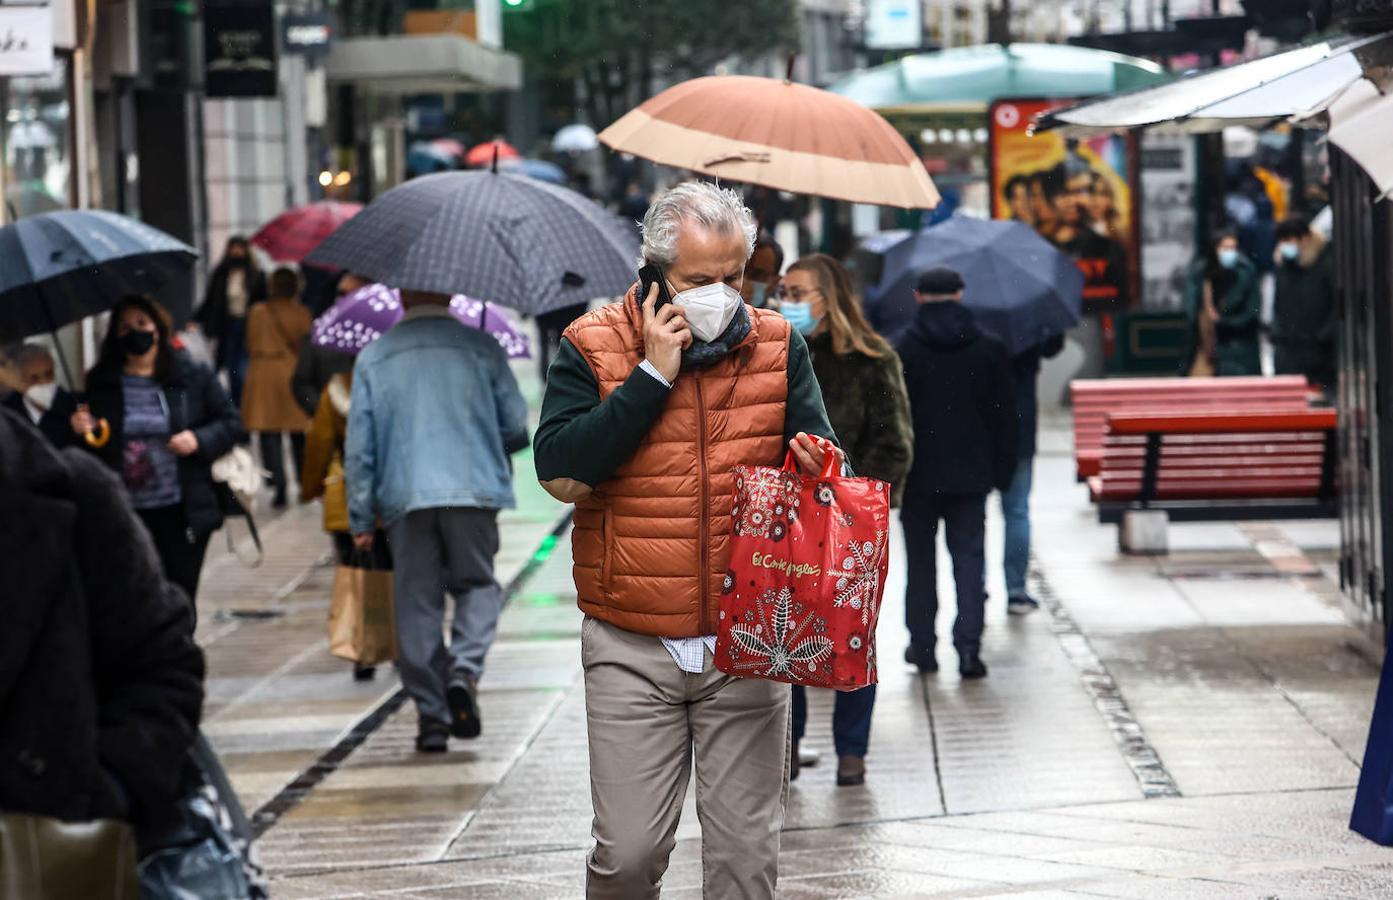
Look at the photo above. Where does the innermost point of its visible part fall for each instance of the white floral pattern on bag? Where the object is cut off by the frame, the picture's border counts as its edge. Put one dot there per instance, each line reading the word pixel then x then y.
pixel 769 501
pixel 778 652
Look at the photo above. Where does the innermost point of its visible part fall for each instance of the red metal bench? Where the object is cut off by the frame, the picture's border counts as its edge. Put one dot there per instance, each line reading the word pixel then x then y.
pixel 1218 465
pixel 1095 400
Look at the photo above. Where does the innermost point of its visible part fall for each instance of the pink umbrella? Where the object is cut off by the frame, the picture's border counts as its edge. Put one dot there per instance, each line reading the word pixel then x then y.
pixel 295 232
pixel 357 319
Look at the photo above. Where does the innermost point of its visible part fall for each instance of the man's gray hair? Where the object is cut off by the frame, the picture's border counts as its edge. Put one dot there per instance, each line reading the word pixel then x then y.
pixel 715 208
pixel 25 354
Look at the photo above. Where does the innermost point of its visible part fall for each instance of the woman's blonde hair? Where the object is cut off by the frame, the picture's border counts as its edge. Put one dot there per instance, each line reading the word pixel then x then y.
pixel 845 321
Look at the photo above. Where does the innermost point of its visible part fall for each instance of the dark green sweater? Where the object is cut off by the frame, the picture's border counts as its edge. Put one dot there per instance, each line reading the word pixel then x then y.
pixel 583 438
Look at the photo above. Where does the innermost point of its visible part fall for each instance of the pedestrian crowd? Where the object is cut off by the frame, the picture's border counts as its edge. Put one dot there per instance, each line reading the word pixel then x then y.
pixel 719 356
pixel 1223 307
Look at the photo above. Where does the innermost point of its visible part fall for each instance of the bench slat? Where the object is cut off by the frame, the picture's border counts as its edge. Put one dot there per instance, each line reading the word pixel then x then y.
pixel 1228 422
pixel 1095 399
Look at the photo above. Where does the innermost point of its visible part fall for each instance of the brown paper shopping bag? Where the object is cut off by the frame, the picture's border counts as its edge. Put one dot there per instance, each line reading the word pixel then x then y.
pixel 362 624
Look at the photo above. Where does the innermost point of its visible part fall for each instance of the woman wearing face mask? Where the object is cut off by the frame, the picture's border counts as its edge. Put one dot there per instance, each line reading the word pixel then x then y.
pixel 166 420
pixel 863 389
pixel 1224 306
pixel 233 287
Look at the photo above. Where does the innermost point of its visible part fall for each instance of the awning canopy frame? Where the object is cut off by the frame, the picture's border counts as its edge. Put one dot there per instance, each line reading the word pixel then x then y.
pixel 1295 85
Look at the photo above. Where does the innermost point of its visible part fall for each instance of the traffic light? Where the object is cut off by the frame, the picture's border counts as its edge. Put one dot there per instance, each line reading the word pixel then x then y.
pixel 518 5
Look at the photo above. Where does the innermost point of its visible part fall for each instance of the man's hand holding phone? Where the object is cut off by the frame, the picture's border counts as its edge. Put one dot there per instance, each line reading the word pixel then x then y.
pixel 665 335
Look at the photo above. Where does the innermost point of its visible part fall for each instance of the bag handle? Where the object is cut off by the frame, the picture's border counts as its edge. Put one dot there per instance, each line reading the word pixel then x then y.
pixel 829 463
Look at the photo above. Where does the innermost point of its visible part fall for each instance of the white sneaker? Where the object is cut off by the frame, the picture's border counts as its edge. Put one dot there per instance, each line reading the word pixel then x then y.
pixel 807 756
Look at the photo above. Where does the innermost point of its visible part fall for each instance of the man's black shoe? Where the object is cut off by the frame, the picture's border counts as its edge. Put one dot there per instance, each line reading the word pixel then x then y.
pixel 1023 605
pixel 970 665
pixel 922 658
pixel 464 706
pixel 364 673
pixel 434 737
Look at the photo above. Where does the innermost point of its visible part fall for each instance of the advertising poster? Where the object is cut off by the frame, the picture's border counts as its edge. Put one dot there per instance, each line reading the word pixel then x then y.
pixel 1081 195
pixel 1168 231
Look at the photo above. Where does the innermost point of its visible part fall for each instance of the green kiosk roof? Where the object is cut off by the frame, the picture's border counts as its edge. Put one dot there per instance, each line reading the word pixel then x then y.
pixel 970 78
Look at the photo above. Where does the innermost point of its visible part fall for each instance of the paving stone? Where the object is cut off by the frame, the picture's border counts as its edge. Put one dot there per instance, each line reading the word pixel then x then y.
pixel 1240 676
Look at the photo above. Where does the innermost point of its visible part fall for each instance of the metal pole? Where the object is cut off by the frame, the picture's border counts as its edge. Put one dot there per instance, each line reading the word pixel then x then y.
pixel 4 151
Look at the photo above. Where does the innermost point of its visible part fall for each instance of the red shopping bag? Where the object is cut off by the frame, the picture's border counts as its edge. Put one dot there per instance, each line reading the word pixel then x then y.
pixel 808 561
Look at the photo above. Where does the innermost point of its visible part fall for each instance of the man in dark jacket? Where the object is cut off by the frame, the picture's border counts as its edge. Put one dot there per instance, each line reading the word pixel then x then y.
pixel 40 401
pixel 965 435
pixel 102 683
pixel 1303 312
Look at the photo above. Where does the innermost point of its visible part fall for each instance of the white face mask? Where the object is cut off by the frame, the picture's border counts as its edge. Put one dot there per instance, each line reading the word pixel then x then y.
pixel 41 395
pixel 708 308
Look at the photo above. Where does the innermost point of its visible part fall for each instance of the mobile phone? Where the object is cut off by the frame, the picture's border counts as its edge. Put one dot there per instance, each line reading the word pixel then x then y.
pixel 649 275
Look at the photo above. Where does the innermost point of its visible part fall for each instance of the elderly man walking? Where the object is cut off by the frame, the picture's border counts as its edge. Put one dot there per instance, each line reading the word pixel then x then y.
pixel 648 408
pixel 434 414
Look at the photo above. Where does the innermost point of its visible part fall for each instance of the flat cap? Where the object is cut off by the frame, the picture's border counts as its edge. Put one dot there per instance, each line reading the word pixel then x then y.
pixel 939 280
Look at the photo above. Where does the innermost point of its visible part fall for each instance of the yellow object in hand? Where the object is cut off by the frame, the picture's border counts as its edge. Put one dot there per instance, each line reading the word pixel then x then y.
pixel 98 436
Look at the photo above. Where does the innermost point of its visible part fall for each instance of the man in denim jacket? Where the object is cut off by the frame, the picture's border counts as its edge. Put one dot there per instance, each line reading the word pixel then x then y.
pixel 435 413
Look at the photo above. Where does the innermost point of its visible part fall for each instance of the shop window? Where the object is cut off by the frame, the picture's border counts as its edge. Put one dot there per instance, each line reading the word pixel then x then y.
pixel 37 142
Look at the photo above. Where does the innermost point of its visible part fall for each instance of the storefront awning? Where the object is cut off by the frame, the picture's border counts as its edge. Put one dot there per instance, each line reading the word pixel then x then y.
pixel 1361 124
pixel 1294 84
pixel 423 64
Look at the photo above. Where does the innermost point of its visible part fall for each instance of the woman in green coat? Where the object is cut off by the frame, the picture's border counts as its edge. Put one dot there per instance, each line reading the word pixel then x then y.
pixel 863 388
pixel 1224 308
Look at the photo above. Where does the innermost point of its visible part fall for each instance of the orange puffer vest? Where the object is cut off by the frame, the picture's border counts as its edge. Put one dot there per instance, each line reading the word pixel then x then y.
pixel 651 545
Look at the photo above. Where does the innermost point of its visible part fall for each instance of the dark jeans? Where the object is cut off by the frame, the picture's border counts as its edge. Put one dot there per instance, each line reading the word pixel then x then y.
pixel 851 719
pixel 273 455
pixel 965 523
pixel 232 356
pixel 180 548
pixel 438 550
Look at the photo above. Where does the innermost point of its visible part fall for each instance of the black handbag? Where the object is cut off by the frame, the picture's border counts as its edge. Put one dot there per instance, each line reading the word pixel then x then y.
pixel 201 848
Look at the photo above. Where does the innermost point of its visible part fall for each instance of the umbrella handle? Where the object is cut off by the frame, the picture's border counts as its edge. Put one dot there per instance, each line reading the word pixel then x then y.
pixel 99 436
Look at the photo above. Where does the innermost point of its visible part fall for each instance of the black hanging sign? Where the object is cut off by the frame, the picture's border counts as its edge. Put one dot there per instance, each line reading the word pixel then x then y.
pixel 239 48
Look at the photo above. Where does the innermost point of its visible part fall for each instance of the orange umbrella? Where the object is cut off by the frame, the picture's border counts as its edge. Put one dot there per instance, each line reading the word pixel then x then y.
pixel 481 155
pixel 782 135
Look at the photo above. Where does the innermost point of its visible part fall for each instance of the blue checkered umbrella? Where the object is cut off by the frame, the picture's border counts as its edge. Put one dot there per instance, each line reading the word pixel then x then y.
pixel 522 243
pixel 58 267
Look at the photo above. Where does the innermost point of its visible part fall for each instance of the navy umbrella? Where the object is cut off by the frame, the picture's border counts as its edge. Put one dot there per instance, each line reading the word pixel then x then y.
pixel 539 169
pixel 1020 288
pixel 521 243
pixel 59 267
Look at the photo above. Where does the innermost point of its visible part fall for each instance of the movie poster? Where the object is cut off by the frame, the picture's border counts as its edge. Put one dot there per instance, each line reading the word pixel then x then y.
pixel 1079 194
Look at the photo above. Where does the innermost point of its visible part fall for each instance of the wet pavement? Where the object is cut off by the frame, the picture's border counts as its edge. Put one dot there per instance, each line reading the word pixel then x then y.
pixel 1187 726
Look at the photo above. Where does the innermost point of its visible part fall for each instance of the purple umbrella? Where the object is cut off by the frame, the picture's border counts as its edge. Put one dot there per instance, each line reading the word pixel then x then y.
pixel 357 319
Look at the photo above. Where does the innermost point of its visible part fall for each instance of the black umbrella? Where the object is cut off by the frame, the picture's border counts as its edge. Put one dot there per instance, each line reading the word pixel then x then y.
pixel 516 241
pixel 1019 287
pixel 59 267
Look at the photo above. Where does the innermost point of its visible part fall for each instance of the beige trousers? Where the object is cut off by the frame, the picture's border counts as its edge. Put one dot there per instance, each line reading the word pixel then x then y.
pixel 647 721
